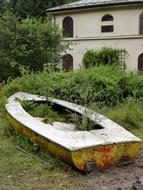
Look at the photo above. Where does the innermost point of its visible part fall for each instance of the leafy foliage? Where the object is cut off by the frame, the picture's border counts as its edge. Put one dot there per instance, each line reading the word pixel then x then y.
pixel 29 44
pixel 32 8
pixel 105 89
pixel 103 56
pixel 104 85
pixel 3 6
pixel 7 51
pixel 49 115
pixel 43 111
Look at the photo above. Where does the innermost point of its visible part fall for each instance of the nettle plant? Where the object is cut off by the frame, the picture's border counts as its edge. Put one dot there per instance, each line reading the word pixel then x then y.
pixel 103 56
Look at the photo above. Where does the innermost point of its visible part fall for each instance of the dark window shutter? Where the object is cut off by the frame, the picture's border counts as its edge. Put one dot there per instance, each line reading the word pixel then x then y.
pixel 68 27
pixel 67 62
pixel 140 63
pixel 107 28
pixel 107 18
pixel 141 24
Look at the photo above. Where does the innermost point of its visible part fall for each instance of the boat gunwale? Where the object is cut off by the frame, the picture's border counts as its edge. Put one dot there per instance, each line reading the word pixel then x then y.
pixel 58 143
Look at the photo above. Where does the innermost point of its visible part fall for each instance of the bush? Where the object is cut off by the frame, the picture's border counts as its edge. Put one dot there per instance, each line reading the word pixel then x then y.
pixel 104 85
pixel 105 89
pixel 30 44
pixel 103 56
pixel 83 87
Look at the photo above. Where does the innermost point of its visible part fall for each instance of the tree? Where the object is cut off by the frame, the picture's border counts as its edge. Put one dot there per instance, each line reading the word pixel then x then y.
pixel 33 8
pixel 3 6
pixel 29 43
pixel 7 34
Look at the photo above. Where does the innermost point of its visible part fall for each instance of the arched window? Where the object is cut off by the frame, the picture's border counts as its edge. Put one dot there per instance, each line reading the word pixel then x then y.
pixel 141 24
pixel 140 62
pixel 107 23
pixel 67 62
pixel 68 27
pixel 107 18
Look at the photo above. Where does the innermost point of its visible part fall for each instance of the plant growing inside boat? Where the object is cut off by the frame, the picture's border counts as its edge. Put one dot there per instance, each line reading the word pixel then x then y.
pixel 43 111
pixel 50 115
pixel 82 122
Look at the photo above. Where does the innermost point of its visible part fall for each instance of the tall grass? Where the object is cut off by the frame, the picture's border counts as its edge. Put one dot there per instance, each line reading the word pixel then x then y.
pixel 105 85
pixel 118 92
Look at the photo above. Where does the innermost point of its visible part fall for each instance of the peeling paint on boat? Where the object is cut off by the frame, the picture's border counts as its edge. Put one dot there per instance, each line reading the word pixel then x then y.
pixel 86 150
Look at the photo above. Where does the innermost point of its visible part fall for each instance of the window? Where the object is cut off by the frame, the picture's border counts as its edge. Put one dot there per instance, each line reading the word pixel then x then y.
pixel 68 27
pixel 67 62
pixel 107 18
pixel 107 23
pixel 141 24
pixel 107 28
pixel 140 62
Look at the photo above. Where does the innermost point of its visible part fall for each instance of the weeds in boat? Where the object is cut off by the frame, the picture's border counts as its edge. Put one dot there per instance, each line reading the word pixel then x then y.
pixel 50 115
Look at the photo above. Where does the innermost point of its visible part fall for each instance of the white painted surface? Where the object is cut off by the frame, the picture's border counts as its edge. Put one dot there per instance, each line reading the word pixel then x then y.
pixel 71 140
pixel 87 32
pixel 64 126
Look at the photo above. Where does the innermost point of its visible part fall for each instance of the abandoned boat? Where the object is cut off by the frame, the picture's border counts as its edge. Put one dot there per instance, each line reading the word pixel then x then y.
pixel 86 150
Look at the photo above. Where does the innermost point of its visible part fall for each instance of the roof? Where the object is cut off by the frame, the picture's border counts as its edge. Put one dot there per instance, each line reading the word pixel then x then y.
pixel 92 3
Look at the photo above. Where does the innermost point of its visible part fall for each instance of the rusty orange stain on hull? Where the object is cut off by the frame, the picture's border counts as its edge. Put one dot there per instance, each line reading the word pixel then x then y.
pixel 104 159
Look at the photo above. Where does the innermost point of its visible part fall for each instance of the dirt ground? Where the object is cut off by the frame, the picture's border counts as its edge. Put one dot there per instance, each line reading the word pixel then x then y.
pixel 121 177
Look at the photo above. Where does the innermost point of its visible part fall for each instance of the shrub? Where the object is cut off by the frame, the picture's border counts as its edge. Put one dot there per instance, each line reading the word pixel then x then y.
pixel 103 56
pixel 89 58
pixel 30 44
pixel 105 85
pixel 91 85
pixel 106 89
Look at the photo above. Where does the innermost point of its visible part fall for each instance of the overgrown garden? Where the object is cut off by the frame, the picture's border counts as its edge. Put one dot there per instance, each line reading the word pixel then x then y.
pixel 29 46
pixel 105 89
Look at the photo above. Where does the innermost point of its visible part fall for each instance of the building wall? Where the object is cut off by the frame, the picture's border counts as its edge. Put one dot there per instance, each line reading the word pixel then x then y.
pixel 87 33
pixel 134 48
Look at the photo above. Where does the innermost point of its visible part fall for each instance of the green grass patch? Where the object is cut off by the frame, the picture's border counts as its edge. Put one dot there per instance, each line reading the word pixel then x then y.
pixel 128 114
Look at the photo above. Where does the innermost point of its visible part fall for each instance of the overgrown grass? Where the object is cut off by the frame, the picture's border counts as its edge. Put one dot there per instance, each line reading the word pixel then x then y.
pixel 103 86
pixel 48 114
pixel 43 111
pixel 21 171
pixel 109 91
pixel 92 85
pixel 128 114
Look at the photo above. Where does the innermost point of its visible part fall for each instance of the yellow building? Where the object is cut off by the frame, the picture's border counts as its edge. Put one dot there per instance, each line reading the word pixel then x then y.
pixel 93 24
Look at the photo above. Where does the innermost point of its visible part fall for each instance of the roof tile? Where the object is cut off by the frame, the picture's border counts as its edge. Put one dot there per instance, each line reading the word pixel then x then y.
pixel 91 3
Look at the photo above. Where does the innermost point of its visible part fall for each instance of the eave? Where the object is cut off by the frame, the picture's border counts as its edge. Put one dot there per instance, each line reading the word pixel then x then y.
pixel 97 6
